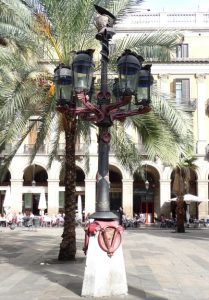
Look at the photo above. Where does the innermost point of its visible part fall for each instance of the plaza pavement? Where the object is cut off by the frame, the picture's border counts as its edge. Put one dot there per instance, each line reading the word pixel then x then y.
pixel 160 265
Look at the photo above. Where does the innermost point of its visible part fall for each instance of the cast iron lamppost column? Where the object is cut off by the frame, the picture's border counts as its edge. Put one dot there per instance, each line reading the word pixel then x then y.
pixel 105 270
pixel 146 199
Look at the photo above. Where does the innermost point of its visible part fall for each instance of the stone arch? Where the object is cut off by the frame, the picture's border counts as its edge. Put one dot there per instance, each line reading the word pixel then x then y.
pixel 115 177
pixel 80 176
pixel 80 189
pixel 192 208
pixel 192 188
pixel 6 179
pixel 4 184
pixel 113 163
pixel 146 199
pixel 80 186
pixel 18 173
pixel 35 175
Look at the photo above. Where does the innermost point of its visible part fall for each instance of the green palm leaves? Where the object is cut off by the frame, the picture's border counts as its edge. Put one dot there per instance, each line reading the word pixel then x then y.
pixel 57 28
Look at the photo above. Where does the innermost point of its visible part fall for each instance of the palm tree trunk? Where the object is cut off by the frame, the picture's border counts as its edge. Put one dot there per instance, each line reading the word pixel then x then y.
pixel 180 214
pixel 68 244
pixel 179 188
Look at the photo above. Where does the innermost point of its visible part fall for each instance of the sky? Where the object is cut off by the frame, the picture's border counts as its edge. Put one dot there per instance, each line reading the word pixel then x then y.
pixel 176 5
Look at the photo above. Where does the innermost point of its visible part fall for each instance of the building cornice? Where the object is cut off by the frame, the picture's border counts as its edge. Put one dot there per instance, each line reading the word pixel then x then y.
pixel 149 21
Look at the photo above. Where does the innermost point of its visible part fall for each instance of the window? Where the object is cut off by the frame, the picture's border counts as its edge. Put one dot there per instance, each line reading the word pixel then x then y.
pixel 182 90
pixel 182 50
pixel 34 130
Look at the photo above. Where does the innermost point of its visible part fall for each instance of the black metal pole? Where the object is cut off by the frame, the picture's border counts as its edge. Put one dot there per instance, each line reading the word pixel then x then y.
pixel 102 199
pixel 103 184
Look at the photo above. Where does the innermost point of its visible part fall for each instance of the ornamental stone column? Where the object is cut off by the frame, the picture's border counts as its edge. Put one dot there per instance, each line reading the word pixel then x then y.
pixel 201 126
pixel 127 200
pixel 163 206
pixel 164 86
pixel 16 195
pixel 53 196
pixel 90 196
pixel 165 191
pixel 202 187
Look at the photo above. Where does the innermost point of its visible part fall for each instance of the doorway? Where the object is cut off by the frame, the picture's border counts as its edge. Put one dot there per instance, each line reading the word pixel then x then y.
pixel 143 204
pixel 2 195
pixel 30 203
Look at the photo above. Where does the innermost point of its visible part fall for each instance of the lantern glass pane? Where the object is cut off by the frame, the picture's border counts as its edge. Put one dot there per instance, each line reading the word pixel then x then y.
pixel 142 93
pixel 82 77
pixel 65 92
pixel 57 90
pixel 63 84
pixel 128 79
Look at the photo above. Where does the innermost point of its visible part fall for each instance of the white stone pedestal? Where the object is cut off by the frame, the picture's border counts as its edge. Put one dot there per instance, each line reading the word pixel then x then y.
pixel 104 276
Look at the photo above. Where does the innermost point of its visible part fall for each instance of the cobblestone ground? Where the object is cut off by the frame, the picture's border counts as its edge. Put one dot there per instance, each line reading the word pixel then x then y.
pixel 160 264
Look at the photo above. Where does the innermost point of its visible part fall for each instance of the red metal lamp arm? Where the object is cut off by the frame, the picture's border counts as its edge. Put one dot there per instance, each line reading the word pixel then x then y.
pixel 90 108
pixel 124 101
pixel 121 116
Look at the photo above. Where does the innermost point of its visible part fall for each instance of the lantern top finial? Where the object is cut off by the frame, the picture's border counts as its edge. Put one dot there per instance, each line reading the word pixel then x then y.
pixel 130 52
pixel 103 12
pixel 104 18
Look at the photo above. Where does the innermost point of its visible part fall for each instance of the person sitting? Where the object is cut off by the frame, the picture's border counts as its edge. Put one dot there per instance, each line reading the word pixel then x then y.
pixel 20 219
pixel 54 220
pixel 162 221
pixel 142 218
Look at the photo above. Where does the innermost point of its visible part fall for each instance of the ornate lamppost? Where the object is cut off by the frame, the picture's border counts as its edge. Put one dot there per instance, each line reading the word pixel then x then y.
pixel 105 271
pixel 146 199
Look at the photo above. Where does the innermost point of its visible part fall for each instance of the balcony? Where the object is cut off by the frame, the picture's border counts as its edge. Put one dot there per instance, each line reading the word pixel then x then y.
pixel 178 20
pixel 28 148
pixel 80 149
pixel 189 104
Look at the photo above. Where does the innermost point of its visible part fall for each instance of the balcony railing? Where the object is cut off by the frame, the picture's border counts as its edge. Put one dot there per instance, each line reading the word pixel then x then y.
pixel 28 148
pixel 80 149
pixel 189 104
pixel 179 20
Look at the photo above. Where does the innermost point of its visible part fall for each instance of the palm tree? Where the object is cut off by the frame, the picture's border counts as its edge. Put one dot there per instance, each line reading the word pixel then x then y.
pixel 181 186
pixel 31 90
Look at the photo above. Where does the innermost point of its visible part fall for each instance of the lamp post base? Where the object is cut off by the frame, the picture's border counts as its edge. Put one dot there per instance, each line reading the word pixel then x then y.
pixel 104 275
pixel 104 215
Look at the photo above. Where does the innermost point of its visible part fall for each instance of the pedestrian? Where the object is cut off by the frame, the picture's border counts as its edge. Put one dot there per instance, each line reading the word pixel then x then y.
pixel 120 212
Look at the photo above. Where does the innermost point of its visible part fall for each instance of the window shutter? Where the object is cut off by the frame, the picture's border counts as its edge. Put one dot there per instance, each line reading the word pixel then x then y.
pixel 186 89
pixel 173 86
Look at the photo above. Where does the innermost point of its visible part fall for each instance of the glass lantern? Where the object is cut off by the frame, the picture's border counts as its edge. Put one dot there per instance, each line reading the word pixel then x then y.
pixel 129 65
pixel 145 80
pixel 63 84
pixel 83 67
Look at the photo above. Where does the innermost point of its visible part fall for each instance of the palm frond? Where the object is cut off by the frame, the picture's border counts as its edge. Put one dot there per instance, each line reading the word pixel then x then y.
pixel 45 120
pixel 125 148
pixel 56 131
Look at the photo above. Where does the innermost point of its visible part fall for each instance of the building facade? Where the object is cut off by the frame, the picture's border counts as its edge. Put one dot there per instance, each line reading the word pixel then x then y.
pixel 186 77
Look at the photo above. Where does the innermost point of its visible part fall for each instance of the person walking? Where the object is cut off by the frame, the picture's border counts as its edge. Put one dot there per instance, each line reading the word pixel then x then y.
pixel 120 212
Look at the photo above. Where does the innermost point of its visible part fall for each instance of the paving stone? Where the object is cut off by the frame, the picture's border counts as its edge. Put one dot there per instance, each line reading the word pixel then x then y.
pixel 160 265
